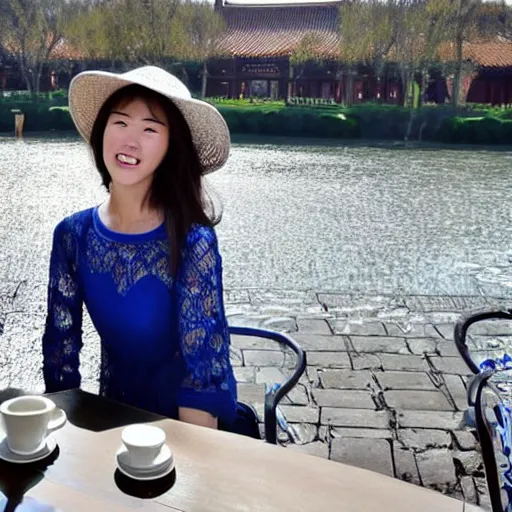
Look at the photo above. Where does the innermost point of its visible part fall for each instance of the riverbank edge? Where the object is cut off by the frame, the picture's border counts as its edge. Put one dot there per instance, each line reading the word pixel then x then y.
pixel 283 140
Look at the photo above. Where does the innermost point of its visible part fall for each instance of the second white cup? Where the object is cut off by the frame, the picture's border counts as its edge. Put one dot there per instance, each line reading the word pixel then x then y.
pixel 143 443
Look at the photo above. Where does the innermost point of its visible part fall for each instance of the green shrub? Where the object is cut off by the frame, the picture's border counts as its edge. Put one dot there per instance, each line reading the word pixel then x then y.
pixel 60 118
pixel 246 102
pixel 289 122
pixel 476 130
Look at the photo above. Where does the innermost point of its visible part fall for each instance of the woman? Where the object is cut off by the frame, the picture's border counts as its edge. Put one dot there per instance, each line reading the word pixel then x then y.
pixel 145 262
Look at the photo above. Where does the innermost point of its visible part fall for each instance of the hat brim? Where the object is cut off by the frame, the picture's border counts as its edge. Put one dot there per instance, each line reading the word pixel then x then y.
pixel 89 90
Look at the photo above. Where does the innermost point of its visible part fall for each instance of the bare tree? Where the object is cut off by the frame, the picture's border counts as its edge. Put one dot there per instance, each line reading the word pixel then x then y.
pixel 87 28
pixel 131 31
pixel 472 21
pixel 30 31
pixel 308 50
pixel 367 33
pixel 463 15
pixel 411 33
pixel 166 34
pixel 203 28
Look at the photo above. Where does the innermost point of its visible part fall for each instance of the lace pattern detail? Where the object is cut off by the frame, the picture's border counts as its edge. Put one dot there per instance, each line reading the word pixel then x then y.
pixel 203 328
pixel 62 338
pixel 128 263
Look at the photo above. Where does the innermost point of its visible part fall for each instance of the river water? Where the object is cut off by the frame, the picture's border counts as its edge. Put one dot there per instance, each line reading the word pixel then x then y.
pixel 301 215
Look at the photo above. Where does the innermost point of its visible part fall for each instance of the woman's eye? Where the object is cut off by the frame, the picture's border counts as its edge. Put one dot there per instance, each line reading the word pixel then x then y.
pixel 120 123
pixel 150 130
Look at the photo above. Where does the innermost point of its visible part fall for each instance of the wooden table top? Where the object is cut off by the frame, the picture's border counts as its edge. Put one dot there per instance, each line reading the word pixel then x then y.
pixel 215 471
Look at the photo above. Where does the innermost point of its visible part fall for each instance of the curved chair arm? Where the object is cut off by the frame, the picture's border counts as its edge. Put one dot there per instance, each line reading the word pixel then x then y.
pixel 462 326
pixel 475 383
pixel 274 397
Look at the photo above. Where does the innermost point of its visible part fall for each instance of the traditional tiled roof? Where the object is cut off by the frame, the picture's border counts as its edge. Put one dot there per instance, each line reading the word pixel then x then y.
pixel 496 53
pixel 276 30
pixel 279 3
pixel 65 51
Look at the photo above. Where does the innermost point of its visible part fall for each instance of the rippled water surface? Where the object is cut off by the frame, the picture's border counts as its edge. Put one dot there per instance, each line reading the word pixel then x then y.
pixel 324 217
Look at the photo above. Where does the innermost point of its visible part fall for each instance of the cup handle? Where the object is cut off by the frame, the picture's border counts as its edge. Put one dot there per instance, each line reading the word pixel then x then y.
pixel 58 420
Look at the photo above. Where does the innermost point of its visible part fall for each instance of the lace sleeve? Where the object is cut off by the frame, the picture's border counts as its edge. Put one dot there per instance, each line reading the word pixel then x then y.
pixel 209 382
pixel 62 338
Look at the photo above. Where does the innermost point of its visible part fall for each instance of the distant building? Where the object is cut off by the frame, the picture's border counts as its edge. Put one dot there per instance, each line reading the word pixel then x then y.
pixel 260 37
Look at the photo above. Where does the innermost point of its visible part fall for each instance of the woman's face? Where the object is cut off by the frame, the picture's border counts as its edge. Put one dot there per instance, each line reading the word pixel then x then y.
pixel 135 141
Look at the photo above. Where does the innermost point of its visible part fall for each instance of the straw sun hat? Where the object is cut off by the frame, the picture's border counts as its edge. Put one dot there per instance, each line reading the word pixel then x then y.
pixel 89 90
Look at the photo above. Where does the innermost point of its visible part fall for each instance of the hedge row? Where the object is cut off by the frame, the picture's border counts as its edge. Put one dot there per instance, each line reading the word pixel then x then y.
pixel 430 123
pixel 289 122
pixel 476 130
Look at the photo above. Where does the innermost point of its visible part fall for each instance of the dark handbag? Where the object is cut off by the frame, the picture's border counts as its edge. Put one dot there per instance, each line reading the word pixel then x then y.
pixel 245 424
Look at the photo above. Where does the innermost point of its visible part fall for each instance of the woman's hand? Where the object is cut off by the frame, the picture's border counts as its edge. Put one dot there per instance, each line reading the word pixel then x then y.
pixel 197 417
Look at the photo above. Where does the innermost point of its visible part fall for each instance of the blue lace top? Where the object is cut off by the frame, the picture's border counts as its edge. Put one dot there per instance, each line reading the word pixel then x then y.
pixel 164 341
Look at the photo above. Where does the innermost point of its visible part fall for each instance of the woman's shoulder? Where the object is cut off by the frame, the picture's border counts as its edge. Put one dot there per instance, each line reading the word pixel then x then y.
pixel 200 235
pixel 74 224
pixel 201 244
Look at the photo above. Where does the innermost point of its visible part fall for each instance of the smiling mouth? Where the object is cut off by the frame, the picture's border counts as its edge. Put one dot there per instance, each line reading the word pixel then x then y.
pixel 125 159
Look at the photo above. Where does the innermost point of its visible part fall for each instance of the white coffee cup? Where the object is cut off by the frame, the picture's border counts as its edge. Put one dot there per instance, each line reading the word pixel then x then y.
pixel 143 443
pixel 28 420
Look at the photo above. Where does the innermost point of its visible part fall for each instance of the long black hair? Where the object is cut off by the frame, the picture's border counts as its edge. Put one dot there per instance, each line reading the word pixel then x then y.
pixel 177 188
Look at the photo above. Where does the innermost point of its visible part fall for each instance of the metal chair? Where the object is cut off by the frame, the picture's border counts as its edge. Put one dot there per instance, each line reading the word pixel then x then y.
pixel 460 338
pixel 460 332
pixel 494 429
pixel 276 393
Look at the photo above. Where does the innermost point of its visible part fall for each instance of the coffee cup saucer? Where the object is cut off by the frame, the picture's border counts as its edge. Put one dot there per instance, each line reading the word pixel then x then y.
pixel 162 466
pixel 44 450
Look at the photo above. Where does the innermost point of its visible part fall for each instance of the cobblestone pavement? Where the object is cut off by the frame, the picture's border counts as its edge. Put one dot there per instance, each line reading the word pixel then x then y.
pixel 384 387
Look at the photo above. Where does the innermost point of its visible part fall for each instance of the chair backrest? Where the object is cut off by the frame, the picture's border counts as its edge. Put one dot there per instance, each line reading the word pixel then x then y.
pixel 275 393
pixel 490 358
pixel 494 428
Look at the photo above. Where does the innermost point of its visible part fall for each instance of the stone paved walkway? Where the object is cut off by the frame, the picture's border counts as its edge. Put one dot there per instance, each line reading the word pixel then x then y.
pixel 384 387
